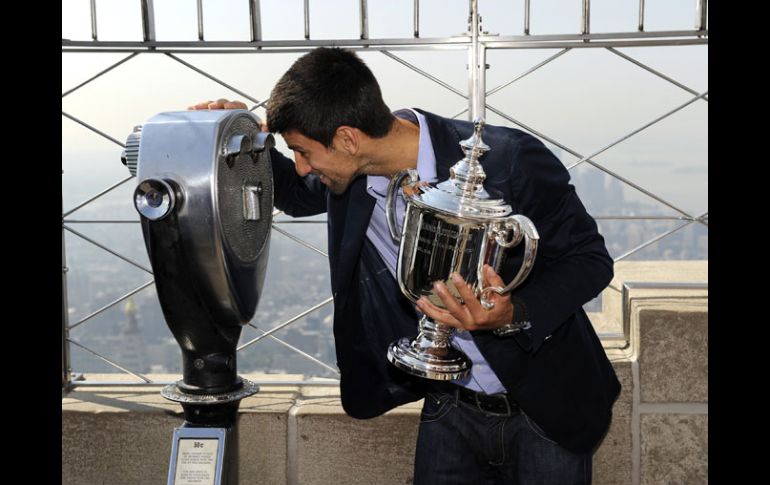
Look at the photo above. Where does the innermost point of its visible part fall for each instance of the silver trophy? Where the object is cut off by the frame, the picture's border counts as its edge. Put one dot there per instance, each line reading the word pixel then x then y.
pixel 452 227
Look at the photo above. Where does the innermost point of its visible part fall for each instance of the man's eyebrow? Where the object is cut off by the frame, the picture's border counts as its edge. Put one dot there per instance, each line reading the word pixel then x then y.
pixel 295 148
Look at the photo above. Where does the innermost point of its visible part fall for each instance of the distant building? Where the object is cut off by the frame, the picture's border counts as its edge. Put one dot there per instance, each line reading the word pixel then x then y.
pixel 128 345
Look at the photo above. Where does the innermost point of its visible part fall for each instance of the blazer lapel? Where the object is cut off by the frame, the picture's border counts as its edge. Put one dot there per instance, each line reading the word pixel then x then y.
pixel 359 211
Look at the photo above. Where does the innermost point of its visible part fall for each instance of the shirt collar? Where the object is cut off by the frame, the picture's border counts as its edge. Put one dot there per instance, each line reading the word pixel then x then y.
pixel 426 161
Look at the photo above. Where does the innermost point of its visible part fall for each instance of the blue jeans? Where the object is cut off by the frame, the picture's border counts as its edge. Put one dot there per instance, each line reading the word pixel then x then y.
pixel 461 444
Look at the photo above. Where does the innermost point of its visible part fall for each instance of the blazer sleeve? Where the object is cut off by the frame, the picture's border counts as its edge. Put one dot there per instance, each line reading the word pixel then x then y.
pixel 572 265
pixel 296 196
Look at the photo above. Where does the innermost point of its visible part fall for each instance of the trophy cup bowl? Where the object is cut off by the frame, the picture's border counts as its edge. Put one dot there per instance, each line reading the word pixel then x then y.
pixel 451 228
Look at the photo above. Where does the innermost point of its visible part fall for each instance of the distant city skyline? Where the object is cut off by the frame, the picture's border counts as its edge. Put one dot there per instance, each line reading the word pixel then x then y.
pixel 96 278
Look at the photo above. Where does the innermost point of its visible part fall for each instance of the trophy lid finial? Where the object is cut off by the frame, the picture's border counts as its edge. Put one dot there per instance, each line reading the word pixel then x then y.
pixel 463 193
pixel 475 144
pixel 467 175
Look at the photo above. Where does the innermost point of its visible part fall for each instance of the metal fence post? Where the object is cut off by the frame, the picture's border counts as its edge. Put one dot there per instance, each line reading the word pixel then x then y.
pixel 66 383
pixel 477 65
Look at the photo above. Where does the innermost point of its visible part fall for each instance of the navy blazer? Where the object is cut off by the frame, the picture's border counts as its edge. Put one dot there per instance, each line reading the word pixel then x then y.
pixel 557 371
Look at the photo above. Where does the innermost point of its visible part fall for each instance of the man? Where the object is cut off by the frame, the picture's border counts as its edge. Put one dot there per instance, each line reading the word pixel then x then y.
pixel 540 395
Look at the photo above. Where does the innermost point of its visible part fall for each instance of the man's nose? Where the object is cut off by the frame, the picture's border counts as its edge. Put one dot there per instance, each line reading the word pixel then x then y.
pixel 301 166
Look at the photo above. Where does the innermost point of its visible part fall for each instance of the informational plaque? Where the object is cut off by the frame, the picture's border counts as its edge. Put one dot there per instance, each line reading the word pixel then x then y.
pixel 196 456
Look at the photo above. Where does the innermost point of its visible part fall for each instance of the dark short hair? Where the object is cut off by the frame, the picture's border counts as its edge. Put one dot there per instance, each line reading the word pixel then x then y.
pixel 325 89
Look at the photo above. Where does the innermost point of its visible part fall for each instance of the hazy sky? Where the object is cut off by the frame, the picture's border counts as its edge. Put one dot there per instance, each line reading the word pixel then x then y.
pixel 585 99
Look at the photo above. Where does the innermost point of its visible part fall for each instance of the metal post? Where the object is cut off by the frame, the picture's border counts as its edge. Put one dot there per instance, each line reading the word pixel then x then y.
pixel 364 20
pixel 256 21
pixel 585 22
pixel 148 20
pixel 307 18
pixel 701 10
pixel 93 20
pixel 476 67
pixel 66 382
pixel 200 19
pixel 526 17
pixel 416 18
pixel 641 15
pixel 481 93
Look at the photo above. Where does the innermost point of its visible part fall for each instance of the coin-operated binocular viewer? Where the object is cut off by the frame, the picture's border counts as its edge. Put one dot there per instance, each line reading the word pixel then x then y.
pixel 205 195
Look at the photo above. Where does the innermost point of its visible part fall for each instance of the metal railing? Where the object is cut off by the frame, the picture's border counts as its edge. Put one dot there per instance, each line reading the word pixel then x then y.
pixel 475 41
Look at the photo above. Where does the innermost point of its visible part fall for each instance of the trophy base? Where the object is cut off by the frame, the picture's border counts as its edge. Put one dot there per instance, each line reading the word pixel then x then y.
pixel 437 363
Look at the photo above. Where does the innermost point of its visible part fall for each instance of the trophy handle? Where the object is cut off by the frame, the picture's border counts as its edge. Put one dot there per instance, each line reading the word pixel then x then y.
pixel 390 199
pixel 519 226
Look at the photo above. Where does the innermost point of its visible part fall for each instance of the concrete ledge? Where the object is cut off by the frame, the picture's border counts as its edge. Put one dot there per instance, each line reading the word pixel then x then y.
pixel 333 448
pixel 287 435
pixel 609 320
pixel 122 435
pixel 300 435
pixel 115 448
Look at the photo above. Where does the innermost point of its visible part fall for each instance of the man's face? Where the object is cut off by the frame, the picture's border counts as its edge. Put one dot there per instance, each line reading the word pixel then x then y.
pixel 334 167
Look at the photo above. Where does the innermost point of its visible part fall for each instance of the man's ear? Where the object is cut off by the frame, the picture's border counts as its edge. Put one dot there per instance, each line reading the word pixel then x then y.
pixel 348 138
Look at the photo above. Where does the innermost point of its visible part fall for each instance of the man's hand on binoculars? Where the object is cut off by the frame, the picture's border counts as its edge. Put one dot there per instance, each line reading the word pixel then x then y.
pixel 468 313
pixel 223 103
